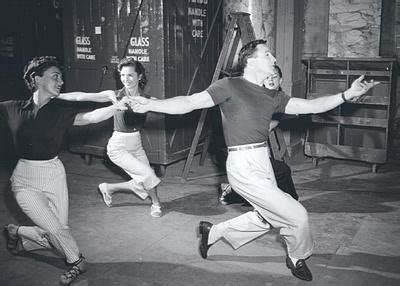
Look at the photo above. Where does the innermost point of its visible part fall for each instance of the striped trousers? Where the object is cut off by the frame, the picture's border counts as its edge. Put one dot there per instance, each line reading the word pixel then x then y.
pixel 40 189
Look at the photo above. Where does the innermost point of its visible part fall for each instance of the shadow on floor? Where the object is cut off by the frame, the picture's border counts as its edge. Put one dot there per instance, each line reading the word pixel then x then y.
pixel 354 269
pixel 350 202
pixel 201 204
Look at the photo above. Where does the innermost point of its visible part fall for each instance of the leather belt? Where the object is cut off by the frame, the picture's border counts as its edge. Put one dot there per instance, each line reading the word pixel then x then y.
pixel 247 147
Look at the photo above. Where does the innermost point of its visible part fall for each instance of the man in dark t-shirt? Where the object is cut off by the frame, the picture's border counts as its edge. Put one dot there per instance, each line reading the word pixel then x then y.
pixel 246 110
pixel 282 171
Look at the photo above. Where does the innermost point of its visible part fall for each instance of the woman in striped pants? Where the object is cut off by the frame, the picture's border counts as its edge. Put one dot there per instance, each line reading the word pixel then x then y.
pixel 39 181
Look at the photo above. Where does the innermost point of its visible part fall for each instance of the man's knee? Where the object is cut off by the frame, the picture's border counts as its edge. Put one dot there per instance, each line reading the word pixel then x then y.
pixel 301 217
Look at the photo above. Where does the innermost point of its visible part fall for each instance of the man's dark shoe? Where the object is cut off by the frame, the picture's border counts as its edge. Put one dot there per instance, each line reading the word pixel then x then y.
pixel 203 231
pixel 301 270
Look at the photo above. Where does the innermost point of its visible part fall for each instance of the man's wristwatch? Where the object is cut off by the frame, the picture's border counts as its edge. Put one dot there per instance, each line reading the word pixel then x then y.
pixel 343 97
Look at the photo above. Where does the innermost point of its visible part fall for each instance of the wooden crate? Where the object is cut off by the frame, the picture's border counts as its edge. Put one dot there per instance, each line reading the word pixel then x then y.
pixel 359 130
pixel 169 37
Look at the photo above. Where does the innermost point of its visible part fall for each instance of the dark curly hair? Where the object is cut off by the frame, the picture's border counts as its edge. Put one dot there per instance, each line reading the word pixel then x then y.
pixel 139 69
pixel 247 52
pixel 37 66
pixel 278 69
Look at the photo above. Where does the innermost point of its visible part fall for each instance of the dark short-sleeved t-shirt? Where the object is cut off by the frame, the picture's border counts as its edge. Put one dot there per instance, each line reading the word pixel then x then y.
pixel 246 109
pixel 37 133
pixel 127 120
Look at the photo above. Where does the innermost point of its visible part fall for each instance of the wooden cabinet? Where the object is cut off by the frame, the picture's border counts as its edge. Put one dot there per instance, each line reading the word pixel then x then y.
pixel 357 130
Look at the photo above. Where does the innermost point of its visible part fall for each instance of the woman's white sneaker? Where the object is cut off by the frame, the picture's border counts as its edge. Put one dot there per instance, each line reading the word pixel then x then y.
pixel 155 211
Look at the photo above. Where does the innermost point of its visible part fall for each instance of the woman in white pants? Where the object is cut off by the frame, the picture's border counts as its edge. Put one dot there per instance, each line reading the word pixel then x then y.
pixel 125 145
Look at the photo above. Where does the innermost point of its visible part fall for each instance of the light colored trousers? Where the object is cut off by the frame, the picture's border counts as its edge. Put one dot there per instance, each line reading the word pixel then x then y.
pixel 126 151
pixel 251 175
pixel 40 189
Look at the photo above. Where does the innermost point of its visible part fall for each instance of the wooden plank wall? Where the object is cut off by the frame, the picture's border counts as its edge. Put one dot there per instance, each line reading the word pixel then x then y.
pixel 316 26
pixel 395 150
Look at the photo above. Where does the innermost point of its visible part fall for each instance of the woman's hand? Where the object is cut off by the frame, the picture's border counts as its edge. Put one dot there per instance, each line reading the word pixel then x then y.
pixel 122 104
pixel 140 104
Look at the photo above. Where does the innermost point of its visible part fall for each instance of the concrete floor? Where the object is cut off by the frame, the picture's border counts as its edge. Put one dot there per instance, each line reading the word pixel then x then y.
pixel 354 215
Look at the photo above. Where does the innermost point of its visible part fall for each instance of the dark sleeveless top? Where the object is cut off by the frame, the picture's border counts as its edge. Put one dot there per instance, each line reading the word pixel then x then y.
pixel 127 120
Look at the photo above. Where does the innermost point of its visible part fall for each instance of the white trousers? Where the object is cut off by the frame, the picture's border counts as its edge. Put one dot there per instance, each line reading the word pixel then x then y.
pixel 126 151
pixel 40 189
pixel 251 175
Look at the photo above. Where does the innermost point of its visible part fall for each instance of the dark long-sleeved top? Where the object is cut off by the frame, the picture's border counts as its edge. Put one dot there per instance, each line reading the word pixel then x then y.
pixel 37 133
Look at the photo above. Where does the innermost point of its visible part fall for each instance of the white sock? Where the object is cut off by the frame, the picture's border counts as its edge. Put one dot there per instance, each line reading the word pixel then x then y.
pixel 294 260
pixel 212 235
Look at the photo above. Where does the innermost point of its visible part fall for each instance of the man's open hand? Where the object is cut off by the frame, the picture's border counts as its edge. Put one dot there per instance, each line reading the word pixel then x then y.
pixel 359 87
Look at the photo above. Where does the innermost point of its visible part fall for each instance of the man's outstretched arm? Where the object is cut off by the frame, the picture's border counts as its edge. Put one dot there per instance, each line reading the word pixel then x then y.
pixel 325 103
pixel 174 105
